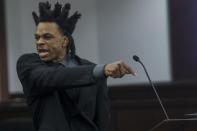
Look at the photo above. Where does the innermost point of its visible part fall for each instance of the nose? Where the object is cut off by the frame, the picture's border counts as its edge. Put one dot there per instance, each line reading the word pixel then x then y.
pixel 40 42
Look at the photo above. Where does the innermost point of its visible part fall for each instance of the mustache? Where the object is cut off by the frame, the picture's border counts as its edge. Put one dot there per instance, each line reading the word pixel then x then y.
pixel 42 50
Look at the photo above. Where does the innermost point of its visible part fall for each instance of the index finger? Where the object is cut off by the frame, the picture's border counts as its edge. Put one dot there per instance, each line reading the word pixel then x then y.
pixel 129 69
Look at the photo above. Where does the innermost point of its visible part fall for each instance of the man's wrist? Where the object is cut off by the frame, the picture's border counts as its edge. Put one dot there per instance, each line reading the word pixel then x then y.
pixel 99 71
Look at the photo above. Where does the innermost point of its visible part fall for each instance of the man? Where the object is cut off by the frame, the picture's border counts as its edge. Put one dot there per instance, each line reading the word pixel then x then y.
pixel 64 91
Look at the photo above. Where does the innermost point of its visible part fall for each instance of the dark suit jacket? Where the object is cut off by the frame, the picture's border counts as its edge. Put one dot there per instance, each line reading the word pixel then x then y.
pixel 63 99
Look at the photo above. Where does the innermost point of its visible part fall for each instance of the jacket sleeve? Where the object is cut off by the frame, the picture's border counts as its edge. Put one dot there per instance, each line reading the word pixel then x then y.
pixel 102 115
pixel 38 78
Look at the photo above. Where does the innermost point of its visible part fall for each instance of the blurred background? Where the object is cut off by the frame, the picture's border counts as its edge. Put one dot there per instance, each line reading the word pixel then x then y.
pixel 161 32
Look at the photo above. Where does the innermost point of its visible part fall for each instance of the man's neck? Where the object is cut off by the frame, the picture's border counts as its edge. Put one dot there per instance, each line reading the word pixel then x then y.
pixel 60 59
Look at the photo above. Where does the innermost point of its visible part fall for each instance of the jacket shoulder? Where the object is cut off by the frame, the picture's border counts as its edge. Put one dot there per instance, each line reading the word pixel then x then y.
pixel 29 56
pixel 27 59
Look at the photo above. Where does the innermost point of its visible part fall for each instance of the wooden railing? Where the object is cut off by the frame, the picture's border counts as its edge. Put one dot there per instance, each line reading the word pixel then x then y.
pixel 133 107
pixel 136 108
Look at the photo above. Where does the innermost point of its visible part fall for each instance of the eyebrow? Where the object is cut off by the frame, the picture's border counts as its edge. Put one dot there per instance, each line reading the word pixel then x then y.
pixel 45 34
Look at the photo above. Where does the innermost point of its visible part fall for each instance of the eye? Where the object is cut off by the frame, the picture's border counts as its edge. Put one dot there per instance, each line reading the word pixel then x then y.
pixel 47 36
pixel 37 37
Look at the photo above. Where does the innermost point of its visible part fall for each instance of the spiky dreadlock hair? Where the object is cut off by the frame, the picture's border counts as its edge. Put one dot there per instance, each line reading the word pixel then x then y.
pixel 59 15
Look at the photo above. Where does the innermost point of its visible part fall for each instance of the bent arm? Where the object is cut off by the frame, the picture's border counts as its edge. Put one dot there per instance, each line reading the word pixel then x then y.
pixel 41 78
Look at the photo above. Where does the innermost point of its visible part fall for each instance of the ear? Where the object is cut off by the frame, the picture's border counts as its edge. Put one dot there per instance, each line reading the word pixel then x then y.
pixel 66 42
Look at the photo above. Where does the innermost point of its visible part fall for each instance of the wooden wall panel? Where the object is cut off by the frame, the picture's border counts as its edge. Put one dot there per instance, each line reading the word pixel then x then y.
pixel 183 38
pixel 3 57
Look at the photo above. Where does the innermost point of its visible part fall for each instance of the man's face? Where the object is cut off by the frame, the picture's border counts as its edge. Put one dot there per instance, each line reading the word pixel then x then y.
pixel 50 42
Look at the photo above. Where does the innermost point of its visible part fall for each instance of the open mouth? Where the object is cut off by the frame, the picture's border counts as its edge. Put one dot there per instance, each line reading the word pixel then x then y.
pixel 43 52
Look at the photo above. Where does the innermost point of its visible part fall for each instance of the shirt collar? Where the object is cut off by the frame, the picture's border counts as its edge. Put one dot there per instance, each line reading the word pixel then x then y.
pixel 68 61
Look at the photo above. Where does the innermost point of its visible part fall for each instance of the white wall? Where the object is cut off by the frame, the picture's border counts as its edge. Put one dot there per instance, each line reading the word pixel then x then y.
pixel 14 38
pixel 108 31
pixel 129 27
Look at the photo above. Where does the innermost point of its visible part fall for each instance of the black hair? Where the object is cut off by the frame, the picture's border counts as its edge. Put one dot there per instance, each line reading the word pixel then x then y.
pixel 59 15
